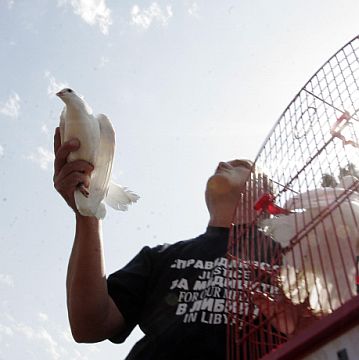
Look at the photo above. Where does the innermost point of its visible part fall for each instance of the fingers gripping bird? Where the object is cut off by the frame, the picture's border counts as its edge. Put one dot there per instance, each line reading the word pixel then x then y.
pixel 97 146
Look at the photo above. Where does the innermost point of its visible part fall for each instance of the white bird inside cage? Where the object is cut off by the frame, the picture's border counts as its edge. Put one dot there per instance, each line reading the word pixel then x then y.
pixel 321 242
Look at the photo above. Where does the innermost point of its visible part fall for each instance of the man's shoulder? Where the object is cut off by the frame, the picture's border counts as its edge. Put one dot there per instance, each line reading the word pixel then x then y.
pixel 178 245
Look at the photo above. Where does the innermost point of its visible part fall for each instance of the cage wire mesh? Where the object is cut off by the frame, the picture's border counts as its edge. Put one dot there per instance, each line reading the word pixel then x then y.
pixel 295 233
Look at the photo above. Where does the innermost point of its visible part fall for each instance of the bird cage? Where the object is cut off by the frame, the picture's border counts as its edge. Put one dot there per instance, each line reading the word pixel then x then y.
pixel 294 244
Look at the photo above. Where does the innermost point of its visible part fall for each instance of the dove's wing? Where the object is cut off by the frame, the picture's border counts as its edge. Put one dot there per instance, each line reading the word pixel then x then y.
pixel 101 174
pixel 115 195
pixel 104 158
pixel 62 126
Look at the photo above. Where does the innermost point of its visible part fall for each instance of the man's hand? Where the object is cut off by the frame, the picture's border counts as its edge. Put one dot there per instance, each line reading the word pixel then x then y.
pixel 286 317
pixel 69 176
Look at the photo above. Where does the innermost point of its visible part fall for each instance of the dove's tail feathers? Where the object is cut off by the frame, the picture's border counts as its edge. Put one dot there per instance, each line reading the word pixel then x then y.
pixel 119 197
pixel 89 206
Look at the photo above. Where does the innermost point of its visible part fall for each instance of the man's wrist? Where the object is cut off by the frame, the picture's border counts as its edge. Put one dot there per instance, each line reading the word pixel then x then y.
pixel 89 220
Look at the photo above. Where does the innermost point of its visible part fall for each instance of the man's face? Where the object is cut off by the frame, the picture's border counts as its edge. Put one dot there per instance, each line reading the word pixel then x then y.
pixel 232 187
pixel 229 177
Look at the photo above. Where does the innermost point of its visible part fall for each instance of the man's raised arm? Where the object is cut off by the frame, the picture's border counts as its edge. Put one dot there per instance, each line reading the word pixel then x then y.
pixel 92 313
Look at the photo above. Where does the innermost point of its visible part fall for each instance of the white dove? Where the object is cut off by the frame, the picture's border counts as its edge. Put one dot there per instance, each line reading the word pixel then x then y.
pixel 323 237
pixel 97 146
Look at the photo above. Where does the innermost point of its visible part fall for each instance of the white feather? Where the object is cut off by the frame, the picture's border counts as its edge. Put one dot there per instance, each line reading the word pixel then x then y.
pixel 119 197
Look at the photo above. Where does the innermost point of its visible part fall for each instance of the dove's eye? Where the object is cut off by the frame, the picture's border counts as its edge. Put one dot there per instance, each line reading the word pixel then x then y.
pixel 69 90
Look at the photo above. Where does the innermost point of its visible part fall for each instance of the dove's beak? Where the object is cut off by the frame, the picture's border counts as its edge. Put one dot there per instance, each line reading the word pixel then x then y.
pixel 59 94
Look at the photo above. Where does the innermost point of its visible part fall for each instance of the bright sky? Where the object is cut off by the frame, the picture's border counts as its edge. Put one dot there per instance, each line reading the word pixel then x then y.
pixel 185 83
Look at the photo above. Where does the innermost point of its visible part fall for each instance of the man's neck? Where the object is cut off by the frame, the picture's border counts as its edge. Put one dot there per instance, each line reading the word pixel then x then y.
pixel 226 219
pixel 220 221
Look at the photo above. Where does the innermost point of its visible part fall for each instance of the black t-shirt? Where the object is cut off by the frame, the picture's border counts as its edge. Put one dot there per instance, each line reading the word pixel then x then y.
pixel 177 295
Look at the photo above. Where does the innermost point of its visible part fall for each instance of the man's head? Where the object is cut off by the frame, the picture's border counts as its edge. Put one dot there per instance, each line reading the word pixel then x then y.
pixel 225 188
pixel 229 177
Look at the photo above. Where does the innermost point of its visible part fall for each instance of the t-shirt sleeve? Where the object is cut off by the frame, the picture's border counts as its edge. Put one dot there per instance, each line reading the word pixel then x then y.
pixel 128 287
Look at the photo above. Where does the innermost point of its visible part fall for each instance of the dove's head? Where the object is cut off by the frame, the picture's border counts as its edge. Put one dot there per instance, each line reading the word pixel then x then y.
pixel 66 95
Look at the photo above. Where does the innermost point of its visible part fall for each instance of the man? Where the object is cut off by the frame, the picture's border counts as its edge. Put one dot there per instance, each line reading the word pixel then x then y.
pixel 176 293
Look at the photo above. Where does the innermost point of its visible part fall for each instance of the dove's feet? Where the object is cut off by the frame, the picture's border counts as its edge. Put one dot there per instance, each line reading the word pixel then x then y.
pixel 83 190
